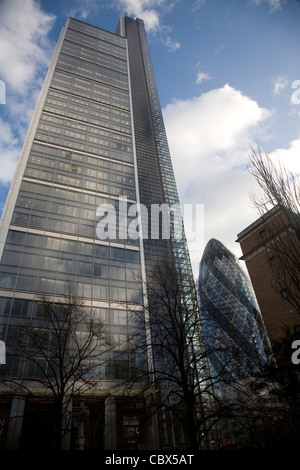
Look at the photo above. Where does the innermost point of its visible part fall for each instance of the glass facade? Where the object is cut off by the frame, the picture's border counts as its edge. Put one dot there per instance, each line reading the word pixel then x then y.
pixel 81 157
pixel 155 170
pixel 96 140
pixel 157 183
pixel 232 324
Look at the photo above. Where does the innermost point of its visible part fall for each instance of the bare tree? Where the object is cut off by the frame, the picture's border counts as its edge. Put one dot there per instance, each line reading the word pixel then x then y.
pixel 180 386
pixel 279 186
pixel 279 203
pixel 280 198
pixel 62 356
pixel 166 348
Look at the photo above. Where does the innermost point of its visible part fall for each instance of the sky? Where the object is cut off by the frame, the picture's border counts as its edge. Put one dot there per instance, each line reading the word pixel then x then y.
pixel 228 78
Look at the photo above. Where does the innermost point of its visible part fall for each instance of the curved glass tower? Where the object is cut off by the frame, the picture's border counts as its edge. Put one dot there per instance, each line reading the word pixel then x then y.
pixel 233 327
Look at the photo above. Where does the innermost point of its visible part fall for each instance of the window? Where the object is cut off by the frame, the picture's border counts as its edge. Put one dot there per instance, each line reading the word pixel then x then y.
pixel 120 341
pixel 297 330
pixel 120 370
pixel 37 367
pixel 262 233
pixel 273 261
pixel 101 270
pixel 5 304
pixel 117 253
pixel 20 307
pixel 119 317
pixel 85 268
pixel 284 293
pixel 133 256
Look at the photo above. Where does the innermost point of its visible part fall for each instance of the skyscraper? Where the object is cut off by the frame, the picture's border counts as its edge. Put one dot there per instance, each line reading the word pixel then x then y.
pixel 232 324
pixel 95 155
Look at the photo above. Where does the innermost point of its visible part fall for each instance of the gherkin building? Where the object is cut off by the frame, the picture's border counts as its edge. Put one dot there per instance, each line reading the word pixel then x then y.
pixel 235 335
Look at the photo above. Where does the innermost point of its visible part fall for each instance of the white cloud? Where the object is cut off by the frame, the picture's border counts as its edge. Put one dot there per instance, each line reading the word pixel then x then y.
pixel 201 76
pixel 9 153
pixel 275 5
pixel 83 9
pixel 289 157
pixel 209 138
pixel 219 49
pixel 25 53
pixel 213 124
pixel 140 9
pixel 151 12
pixel 197 5
pixel 280 83
pixel 24 47
pixel 172 44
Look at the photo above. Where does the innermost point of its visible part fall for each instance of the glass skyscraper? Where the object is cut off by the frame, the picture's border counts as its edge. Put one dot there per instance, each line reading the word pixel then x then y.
pixel 95 152
pixel 233 328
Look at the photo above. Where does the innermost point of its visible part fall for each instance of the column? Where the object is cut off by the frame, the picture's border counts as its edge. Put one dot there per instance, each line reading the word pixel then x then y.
pixel 15 424
pixel 110 432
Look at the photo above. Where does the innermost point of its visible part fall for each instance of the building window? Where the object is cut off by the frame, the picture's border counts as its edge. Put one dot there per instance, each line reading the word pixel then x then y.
pixel 273 260
pixel 297 330
pixel 262 233
pixel 284 293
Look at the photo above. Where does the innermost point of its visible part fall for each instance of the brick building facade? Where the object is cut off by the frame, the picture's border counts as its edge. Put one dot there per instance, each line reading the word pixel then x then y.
pixel 271 251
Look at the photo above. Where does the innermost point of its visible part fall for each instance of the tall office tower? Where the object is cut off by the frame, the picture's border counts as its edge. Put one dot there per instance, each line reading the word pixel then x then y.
pixel 96 150
pixel 232 324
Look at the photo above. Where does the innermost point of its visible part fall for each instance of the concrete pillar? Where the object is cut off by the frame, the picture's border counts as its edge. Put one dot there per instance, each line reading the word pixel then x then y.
pixel 67 423
pixel 110 432
pixel 15 424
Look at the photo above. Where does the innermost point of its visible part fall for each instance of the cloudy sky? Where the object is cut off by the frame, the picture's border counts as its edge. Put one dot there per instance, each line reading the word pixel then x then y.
pixel 228 76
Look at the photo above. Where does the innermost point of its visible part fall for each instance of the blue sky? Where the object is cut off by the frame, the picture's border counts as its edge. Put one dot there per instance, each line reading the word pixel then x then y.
pixel 228 76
